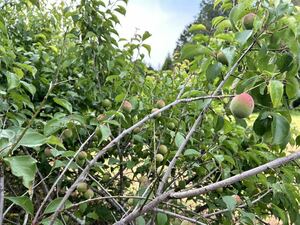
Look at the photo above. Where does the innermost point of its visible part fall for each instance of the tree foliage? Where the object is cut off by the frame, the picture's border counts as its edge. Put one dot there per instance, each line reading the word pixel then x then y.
pixel 89 133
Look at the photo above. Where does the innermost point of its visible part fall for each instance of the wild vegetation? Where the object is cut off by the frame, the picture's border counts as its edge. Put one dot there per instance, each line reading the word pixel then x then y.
pixel 91 135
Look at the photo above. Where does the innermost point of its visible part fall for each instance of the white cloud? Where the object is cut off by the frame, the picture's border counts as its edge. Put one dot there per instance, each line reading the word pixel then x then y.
pixel 165 27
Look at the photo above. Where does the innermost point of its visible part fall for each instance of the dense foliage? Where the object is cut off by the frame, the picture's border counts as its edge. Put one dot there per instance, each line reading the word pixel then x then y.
pixel 72 92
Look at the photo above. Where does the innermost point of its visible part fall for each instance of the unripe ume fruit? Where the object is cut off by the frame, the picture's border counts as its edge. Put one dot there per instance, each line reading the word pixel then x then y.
pixel 105 177
pixel 222 58
pixel 160 103
pixel 242 105
pixel 127 107
pixel 89 194
pixel 163 149
pixel 48 152
pixel 82 187
pixel 107 103
pixel 67 133
pixel 159 158
pixel 171 125
pixel 82 155
pixel 248 20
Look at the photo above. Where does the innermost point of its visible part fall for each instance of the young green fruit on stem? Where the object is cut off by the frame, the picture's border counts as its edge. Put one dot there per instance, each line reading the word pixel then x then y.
pixel 82 155
pixel 241 106
pixel 126 106
pixel 163 149
pixel 159 158
pixel 82 187
pixel 67 133
pixel 248 21
pixel 160 104
pixel 107 103
pixel 89 194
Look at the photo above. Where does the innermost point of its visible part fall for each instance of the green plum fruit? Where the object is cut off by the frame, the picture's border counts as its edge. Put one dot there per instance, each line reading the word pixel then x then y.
pixel 248 20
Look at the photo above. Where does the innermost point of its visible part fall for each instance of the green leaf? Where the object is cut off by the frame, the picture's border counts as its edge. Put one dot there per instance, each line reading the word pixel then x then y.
pixel 13 80
pixel 32 139
pixel 191 152
pixel 229 54
pixel 276 92
pixel 52 207
pixel 29 87
pixel 197 27
pixel 285 62
pixel 230 202
pixel 213 71
pixel 64 103
pixel 121 9
pixel 55 125
pixel 23 166
pixel 242 37
pixel 219 123
pixel 148 48
pixel 140 221
pixel 179 139
pixel 53 140
pixel 24 202
pixel 105 132
pixel 47 221
pixel 280 129
pixel 27 67
pixel 191 50
pixel 162 219
pixel 146 35
pixel 292 87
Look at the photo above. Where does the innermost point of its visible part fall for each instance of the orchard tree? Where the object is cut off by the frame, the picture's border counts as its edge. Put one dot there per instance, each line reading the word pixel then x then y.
pixel 90 135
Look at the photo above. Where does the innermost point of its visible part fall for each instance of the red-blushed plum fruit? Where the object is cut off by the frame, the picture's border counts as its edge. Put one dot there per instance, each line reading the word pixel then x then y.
pixel 160 103
pixel 126 106
pixel 101 117
pixel 89 194
pixel 159 158
pixel 154 110
pixel 163 149
pixel 237 199
pixel 248 20
pixel 222 58
pixel 242 105
pixel 82 155
pixel 82 187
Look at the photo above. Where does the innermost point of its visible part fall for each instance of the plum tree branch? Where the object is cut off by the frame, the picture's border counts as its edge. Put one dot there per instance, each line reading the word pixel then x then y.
pixel 115 141
pixel 211 187
pixel 199 120
pixel 271 165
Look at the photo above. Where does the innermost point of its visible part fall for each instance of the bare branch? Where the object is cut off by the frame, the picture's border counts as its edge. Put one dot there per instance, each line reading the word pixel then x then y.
pixel 271 165
pixel 198 191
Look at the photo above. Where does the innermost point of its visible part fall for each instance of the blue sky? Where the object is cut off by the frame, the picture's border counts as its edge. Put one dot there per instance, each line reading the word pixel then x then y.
pixel 164 19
